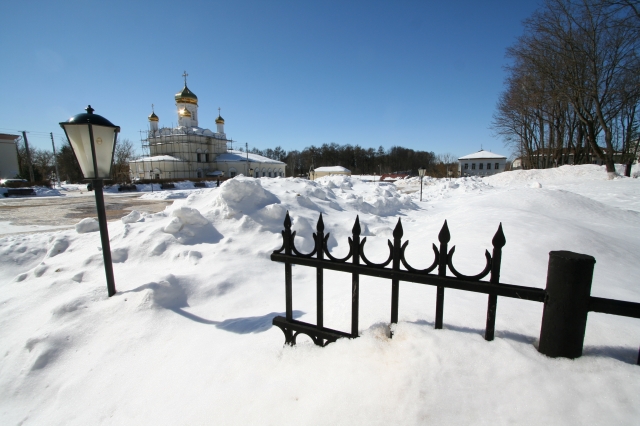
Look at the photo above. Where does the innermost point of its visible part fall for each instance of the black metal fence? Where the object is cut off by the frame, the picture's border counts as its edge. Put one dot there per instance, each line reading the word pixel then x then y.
pixel 567 299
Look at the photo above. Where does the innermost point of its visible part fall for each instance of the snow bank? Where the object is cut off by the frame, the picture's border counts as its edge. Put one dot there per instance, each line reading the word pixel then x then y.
pixel 191 321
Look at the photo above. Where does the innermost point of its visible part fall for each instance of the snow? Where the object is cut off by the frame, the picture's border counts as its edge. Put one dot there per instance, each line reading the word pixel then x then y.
pixel 333 169
pixel 87 224
pixel 241 156
pixel 482 154
pixel 188 337
pixel 156 158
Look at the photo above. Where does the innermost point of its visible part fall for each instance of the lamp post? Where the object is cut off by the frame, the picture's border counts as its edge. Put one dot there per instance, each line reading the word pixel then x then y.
pixel 93 140
pixel 421 172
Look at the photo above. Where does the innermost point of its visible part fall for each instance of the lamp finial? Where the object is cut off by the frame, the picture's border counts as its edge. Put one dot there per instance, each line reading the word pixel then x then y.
pixel 89 109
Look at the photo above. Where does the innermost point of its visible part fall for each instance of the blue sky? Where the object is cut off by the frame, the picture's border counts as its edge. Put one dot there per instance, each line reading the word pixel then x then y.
pixel 424 75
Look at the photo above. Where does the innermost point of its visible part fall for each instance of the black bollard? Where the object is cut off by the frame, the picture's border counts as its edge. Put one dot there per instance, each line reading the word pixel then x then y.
pixel 566 307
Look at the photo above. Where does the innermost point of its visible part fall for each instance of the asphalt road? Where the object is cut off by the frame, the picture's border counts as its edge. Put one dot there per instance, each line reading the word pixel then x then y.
pixel 67 211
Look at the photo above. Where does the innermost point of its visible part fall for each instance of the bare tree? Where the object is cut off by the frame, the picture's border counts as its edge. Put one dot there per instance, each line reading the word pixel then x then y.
pixel 575 74
pixel 123 153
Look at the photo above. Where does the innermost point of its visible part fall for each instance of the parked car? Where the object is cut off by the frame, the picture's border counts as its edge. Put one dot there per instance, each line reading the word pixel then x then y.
pixel 13 182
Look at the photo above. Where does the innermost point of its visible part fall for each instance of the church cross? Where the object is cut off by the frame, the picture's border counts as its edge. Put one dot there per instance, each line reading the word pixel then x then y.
pixel 152 108
pixel 218 111
pixel 185 75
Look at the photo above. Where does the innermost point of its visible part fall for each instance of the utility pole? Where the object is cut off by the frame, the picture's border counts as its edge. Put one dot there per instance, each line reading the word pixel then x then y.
pixel 246 146
pixel 55 160
pixel 26 144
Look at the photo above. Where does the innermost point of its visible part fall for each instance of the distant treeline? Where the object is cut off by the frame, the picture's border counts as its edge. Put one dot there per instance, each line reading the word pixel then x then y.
pixel 358 159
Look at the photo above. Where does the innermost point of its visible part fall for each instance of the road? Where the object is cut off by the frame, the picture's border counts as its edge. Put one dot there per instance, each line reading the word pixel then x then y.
pixel 33 214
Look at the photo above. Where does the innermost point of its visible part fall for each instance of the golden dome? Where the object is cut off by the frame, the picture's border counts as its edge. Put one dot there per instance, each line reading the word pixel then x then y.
pixel 186 96
pixel 153 117
pixel 185 112
pixel 219 120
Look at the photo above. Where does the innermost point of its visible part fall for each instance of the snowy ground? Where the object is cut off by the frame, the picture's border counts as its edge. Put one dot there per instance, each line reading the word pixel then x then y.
pixel 188 338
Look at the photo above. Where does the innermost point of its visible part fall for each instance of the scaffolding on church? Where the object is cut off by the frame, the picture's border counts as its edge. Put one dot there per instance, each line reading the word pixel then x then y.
pixel 168 154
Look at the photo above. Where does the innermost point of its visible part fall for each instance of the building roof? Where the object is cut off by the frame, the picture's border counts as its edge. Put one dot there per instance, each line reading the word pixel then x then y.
pixel 7 136
pixel 240 156
pixel 156 158
pixel 332 169
pixel 482 154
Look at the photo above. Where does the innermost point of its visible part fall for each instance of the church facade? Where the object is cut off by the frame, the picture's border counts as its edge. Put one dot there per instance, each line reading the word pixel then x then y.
pixel 190 151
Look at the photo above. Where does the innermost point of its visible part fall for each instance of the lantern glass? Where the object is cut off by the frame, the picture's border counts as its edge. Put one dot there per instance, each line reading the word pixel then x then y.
pixel 421 171
pixel 79 130
pixel 104 139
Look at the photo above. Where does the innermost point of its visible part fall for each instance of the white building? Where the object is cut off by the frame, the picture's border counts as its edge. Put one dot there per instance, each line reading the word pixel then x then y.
pixel 190 151
pixel 327 171
pixel 8 156
pixel 481 163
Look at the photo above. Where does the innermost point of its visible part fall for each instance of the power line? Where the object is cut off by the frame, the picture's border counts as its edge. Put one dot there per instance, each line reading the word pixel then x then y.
pixel 31 132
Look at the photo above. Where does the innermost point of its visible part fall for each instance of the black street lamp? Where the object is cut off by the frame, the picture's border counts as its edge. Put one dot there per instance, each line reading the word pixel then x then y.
pixel 93 140
pixel 421 172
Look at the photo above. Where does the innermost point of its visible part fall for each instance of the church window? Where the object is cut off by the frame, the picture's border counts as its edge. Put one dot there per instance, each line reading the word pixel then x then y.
pixel 488 166
pixel 473 166
pixel 198 158
pixel 466 166
pixel 206 157
pixel 232 174
pixel 481 165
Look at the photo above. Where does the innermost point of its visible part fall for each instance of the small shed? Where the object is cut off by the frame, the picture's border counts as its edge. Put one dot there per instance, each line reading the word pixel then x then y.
pixel 327 171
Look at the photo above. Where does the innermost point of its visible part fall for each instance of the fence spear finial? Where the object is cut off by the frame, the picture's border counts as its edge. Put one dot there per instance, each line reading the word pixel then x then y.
pixel 320 225
pixel 499 240
pixel 356 226
pixel 287 221
pixel 398 232
pixel 444 236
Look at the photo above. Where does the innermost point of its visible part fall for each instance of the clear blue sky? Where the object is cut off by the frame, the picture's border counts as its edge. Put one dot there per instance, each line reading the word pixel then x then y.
pixel 424 75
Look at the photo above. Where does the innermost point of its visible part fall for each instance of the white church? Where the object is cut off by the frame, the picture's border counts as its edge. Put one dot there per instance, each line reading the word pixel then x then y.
pixel 190 151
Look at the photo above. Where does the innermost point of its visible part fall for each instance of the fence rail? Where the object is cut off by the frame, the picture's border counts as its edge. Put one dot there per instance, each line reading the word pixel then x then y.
pixel 566 297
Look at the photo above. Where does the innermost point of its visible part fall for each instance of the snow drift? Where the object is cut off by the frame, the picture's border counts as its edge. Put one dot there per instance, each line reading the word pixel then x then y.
pixel 188 336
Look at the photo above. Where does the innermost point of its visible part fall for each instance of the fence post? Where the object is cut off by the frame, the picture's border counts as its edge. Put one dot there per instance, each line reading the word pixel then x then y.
pixel 288 276
pixel 355 279
pixel 566 306
pixel 319 273
pixel 498 242
pixel 395 283
pixel 444 237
